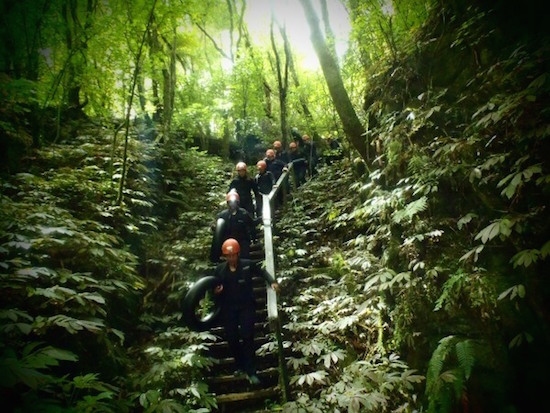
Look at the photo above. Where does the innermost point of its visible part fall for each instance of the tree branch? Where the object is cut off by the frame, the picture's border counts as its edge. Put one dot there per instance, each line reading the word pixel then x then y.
pixel 213 41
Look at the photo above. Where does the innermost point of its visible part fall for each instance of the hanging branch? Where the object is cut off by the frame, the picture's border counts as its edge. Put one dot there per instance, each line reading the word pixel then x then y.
pixel 129 110
pixel 230 10
pixel 218 48
pixel 241 25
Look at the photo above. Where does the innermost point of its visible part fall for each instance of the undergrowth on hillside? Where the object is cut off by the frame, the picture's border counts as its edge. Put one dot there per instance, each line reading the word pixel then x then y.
pixel 88 286
pixel 436 257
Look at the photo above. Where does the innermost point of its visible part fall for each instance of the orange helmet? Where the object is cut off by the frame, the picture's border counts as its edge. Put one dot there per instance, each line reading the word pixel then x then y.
pixel 277 145
pixel 261 165
pixel 230 246
pixel 305 138
pixel 270 153
pixel 292 145
pixel 240 166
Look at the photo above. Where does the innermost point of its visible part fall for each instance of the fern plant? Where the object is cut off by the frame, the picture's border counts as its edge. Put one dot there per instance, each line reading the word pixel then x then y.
pixel 449 370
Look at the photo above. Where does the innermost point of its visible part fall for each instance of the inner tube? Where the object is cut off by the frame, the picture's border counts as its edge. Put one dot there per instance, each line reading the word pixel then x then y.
pixel 217 240
pixel 299 162
pixel 191 306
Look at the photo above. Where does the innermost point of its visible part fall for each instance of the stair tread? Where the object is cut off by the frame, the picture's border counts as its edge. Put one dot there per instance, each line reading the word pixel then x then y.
pixel 230 377
pixel 223 343
pixel 247 395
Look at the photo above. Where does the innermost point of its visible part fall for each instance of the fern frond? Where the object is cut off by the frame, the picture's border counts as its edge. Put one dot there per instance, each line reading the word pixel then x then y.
pixel 465 353
pixel 410 210
pixel 437 360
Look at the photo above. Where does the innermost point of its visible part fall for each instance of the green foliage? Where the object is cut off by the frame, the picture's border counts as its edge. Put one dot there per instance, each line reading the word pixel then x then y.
pixel 175 364
pixel 334 325
pixel 461 153
pixel 450 368
pixel 69 282
pixel 440 251
pixel 448 236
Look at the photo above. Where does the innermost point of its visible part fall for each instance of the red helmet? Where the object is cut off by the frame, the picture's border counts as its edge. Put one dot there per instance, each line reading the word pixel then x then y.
pixel 261 165
pixel 230 246
pixel 305 138
pixel 240 166
pixel 232 196
pixel 277 144
pixel 292 145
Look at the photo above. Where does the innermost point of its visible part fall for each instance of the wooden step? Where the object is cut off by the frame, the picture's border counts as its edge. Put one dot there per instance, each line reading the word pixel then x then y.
pixel 259 394
pixel 260 327
pixel 230 378
pixel 226 365
pixel 228 383
pixel 220 349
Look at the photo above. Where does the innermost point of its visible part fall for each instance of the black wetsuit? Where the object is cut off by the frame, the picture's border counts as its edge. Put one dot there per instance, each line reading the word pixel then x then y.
pixel 238 309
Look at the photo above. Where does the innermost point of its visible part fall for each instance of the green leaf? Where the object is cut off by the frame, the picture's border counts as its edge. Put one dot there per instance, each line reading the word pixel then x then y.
pixel 410 210
pixel 525 258
pixel 473 252
pixel 489 232
pixel 513 291
pixel 465 220
pixel 55 230
pixel 545 250
pixel 59 354
pixel 35 272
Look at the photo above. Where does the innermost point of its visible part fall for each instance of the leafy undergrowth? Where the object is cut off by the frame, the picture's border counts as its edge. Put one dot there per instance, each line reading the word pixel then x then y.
pixel 335 320
pixel 69 282
pixel 89 288
pixel 439 255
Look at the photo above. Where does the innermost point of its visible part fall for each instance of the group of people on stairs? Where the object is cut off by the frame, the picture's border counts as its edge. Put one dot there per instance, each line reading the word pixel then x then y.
pixel 235 231
pixel 244 199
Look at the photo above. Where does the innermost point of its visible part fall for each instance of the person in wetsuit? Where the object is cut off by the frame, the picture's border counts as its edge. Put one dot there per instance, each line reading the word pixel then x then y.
pixel 237 224
pixel 246 188
pixel 238 306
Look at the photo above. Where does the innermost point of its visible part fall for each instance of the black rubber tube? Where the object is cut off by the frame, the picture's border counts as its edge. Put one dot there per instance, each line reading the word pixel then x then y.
pixel 191 301
pixel 217 241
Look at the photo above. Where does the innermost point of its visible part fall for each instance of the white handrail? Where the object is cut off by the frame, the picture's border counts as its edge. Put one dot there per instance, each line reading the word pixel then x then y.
pixel 272 312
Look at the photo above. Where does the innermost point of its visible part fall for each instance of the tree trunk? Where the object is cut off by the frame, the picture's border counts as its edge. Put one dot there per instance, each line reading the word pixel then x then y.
pixel 154 50
pixel 282 82
pixel 169 77
pixel 329 35
pixel 77 45
pixel 294 74
pixel 143 101
pixel 129 108
pixel 350 121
